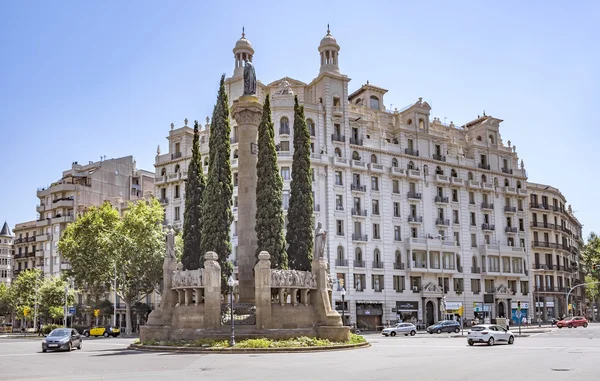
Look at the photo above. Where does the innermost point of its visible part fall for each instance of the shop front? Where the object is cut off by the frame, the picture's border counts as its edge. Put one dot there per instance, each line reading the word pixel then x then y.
pixel 517 317
pixel 407 311
pixel 369 315
pixel 482 312
pixel 453 311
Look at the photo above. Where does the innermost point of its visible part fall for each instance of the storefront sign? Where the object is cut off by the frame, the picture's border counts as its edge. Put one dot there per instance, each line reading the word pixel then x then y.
pixel 477 307
pixel 407 306
pixel 453 306
pixel 524 305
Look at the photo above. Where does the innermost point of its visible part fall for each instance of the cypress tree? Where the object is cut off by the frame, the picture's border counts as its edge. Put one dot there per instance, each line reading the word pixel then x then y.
pixel 192 257
pixel 269 187
pixel 300 213
pixel 216 205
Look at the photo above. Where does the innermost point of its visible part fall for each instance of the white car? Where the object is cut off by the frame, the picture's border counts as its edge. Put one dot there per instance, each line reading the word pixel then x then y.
pixel 405 328
pixel 490 334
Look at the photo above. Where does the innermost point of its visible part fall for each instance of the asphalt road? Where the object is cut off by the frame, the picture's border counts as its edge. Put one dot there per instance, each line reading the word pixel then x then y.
pixel 565 354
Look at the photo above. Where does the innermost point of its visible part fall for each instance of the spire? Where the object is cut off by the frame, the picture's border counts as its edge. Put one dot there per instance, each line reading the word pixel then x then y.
pixel 5 232
pixel 243 32
pixel 328 32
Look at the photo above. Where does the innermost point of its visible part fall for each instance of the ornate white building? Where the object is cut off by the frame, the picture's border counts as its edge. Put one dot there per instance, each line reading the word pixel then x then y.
pixel 6 255
pixel 423 217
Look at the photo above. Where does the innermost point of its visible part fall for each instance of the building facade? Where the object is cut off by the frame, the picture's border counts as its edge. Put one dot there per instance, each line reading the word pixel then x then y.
pixel 6 255
pixel 556 243
pixel 423 217
pixel 25 245
pixel 80 187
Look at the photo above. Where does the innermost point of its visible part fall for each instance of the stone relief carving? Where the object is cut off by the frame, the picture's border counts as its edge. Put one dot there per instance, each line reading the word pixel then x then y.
pixel 432 287
pixel 502 289
pixel 247 117
pixel 284 88
pixel 187 278
pixel 293 279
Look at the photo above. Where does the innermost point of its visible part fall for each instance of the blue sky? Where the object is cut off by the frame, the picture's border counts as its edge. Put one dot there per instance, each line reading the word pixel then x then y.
pixel 82 79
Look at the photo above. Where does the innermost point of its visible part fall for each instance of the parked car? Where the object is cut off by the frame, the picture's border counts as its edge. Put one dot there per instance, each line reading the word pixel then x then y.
pixel 444 326
pixel 62 339
pixel 102 331
pixel 573 322
pixel 490 334
pixel 400 328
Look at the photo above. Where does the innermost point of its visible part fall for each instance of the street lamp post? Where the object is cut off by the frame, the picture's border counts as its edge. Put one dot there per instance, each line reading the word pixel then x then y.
pixel 343 293
pixel 66 308
pixel 231 283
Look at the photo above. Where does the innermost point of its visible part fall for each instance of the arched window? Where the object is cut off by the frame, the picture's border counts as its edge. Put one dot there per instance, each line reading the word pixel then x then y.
pixel 374 102
pixel 177 168
pixel 421 124
pixel 284 126
pixel 483 179
pixel 376 255
pixel 358 254
pixel 438 170
pixel 373 159
pixel 311 127
pixel 163 172
pixel 355 155
pixel 518 184
pixel 491 139
pixel 506 183
pixel 394 162
pixel 235 154
pixel 340 253
pixel 398 257
pixel 411 165
pixel 338 152
pixel 453 173
pixel 470 176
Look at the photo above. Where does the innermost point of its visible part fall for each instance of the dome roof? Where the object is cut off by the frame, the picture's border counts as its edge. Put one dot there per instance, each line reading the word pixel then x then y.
pixel 243 43
pixel 328 40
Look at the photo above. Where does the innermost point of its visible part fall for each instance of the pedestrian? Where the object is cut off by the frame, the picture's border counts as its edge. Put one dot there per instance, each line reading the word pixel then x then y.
pixel 507 322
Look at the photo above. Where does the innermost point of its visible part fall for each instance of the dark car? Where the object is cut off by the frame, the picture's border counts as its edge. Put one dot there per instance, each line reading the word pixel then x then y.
pixel 444 326
pixel 62 339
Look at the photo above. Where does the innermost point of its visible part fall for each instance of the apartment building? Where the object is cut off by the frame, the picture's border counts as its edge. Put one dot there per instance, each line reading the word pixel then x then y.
pixel 25 245
pixel 556 243
pixel 6 255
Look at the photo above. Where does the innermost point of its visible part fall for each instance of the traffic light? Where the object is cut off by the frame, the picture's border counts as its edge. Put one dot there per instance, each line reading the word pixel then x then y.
pixel 518 304
pixel 593 267
pixel 96 313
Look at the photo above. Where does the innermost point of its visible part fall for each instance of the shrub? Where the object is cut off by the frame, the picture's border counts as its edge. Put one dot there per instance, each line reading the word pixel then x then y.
pixel 49 327
pixel 356 339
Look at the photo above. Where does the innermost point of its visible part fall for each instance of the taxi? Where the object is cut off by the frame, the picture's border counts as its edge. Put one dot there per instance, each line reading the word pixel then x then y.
pixel 102 331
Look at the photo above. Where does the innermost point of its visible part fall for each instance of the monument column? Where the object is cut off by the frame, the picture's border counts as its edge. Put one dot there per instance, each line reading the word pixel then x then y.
pixel 247 112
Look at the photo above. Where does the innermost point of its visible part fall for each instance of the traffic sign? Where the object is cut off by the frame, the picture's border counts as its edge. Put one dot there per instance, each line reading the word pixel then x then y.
pixel 26 311
pixel 518 313
pixel 71 310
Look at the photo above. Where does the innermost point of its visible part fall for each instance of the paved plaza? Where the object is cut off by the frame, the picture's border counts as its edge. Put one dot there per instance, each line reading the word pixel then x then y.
pixel 557 355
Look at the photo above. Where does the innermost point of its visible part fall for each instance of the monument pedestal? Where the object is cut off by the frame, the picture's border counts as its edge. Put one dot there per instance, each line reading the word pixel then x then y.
pixel 247 112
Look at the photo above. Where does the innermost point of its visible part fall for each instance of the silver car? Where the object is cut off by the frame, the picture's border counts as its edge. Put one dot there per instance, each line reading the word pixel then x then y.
pixel 62 339
pixel 400 328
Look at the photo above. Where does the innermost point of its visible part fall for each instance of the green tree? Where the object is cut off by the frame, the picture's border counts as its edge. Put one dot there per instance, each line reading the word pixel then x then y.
pixel 269 187
pixel 300 213
pixel 22 292
pixel 216 206
pixel 51 297
pixel 6 305
pixel 192 217
pixel 130 248
pixel 590 255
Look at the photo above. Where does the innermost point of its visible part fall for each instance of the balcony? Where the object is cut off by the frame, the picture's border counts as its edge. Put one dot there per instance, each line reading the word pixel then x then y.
pixel 415 219
pixel 164 200
pixel 398 266
pixel 456 181
pixel 412 152
pixel 337 111
pixel 440 178
pixel 522 192
pixel 483 166
pixel 487 205
pixel 42 222
pixel 284 154
pixel 43 237
pixel 441 199
pixel 359 212
pixel 511 230
pixel 510 190
pixel 358 188
pixel 507 171
pixel 359 164
pixel 40 208
pixel 341 161
pixel 414 173
pixel 510 209
pixel 233 139
pixel 176 155
pixel 359 237
pixel 414 195
pixel 442 222
pixel 341 262
pixel 338 138
pixel 488 227
pixel 62 219
pixel 373 167
pixel 339 208
pixel 473 184
pixel 284 130
pixel 542 225
pixel 377 265
pixel 356 141
pixel 439 157
pixel 317 208
pixel 487 186
pixel 358 263
pixel 39 253
pixel 395 171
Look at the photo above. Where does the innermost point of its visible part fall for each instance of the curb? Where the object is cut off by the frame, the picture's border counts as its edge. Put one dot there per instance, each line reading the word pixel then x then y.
pixel 193 350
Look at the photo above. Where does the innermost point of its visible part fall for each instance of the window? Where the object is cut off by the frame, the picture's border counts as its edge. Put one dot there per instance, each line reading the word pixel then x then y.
pixel 311 127
pixel 473 240
pixel 475 286
pixel 394 163
pixel 338 152
pixel 339 227
pixel 377 282
pixel 438 170
pixel 396 209
pixel 473 220
pixel 177 168
pixel 375 207
pixel 285 173
pixel 413 232
pixel 453 173
pixel 177 148
pixel 235 154
pixel 398 283
pixel 177 191
pixel 376 233
pixel 284 146
pixel 163 172
pixel 489 285
pixel 339 202
pixel 359 282
pixel 374 183
pixel 338 178
pixel 454 195
pixel 395 186
pixel 355 155
pixel 312 174
pixel 163 193
pixel 177 214
pixel 471 198
pixel 374 102
pixel 458 285
pixel 285 201
pixel 457 238
pixel 470 176
pixel 284 126
pixel 524 287
pixel 455 219
pixel 312 147
pixel 397 236
pixel 411 165
pixel 235 179
pixel 440 192
pixel 521 225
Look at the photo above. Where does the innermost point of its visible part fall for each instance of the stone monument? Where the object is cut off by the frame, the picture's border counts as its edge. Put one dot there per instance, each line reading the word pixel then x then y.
pixel 164 312
pixel 247 112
